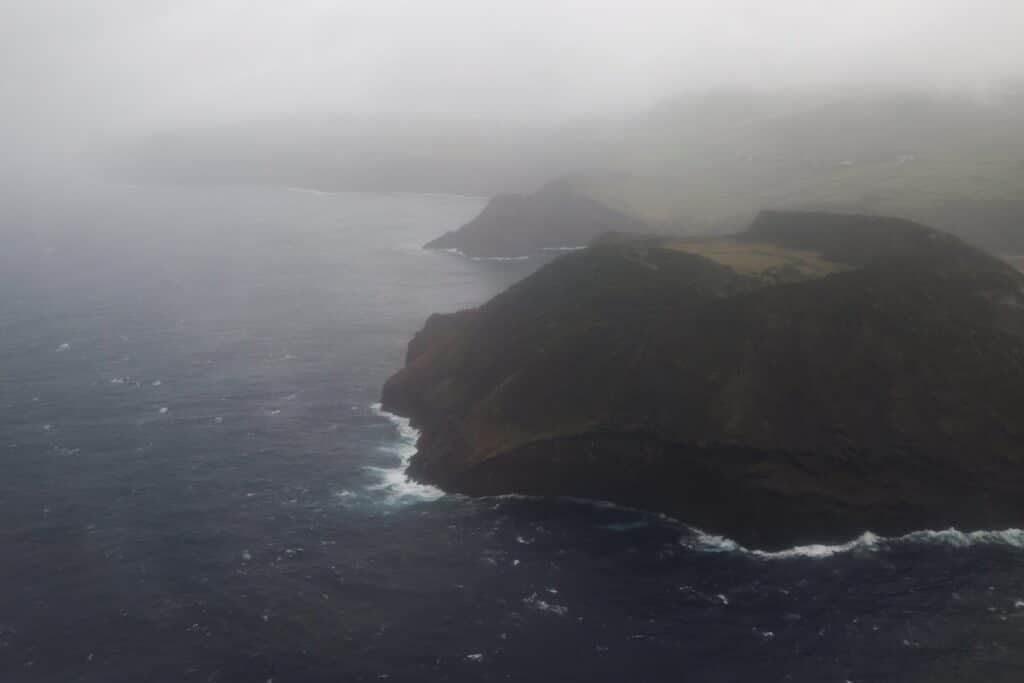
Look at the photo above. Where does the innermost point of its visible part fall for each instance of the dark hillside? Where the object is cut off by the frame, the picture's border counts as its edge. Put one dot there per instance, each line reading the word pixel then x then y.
pixel 886 395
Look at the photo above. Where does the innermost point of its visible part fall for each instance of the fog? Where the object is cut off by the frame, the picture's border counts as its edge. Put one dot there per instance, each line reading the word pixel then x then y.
pixel 81 70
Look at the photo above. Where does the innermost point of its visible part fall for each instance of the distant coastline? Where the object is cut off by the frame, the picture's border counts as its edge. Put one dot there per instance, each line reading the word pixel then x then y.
pixel 414 193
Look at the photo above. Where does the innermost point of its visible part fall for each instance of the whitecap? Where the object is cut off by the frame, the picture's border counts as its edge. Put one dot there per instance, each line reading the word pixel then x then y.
pixel 702 541
pixel 459 252
pixel 64 347
pixel 535 602
pixel 397 487
pixel 711 543
pixel 960 539
pixel 499 258
pixel 866 542
pixel 394 483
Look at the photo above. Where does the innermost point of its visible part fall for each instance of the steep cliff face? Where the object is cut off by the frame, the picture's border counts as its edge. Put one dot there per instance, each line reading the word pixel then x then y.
pixel 518 225
pixel 883 390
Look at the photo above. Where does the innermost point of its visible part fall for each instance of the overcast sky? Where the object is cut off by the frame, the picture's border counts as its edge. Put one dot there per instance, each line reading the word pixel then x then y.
pixel 69 66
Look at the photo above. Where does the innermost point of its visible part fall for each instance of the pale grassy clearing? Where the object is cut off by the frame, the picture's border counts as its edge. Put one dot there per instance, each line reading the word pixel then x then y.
pixel 1016 260
pixel 759 259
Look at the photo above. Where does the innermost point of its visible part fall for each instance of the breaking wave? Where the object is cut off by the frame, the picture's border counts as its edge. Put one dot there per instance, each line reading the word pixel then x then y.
pixel 866 542
pixel 458 252
pixel 399 488
pixel 394 483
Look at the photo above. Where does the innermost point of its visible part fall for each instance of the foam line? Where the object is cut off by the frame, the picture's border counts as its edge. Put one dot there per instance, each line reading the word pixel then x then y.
pixel 866 542
pixel 394 482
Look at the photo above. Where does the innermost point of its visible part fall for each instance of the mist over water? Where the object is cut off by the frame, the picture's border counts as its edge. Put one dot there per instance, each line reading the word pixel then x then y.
pixel 198 485
pixel 211 220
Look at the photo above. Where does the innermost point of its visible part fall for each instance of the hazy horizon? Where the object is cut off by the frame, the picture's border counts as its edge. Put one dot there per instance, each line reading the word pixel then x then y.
pixel 534 340
pixel 78 76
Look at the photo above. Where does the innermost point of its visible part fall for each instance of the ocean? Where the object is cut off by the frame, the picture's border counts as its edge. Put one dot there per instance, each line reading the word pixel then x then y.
pixel 197 483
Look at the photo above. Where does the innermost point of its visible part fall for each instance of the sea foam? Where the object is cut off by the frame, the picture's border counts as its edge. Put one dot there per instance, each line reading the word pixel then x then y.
pixel 458 252
pixel 535 602
pixel 394 482
pixel 866 542
pixel 400 488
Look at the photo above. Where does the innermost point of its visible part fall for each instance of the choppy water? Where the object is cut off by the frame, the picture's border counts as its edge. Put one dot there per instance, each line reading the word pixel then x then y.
pixel 196 484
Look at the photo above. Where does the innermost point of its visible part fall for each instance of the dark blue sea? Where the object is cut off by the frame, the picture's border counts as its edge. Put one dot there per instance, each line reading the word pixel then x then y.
pixel 196 485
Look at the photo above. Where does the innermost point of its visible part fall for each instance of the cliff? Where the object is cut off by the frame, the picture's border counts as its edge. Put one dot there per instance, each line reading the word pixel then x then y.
pixel 555 216
pixel 811 378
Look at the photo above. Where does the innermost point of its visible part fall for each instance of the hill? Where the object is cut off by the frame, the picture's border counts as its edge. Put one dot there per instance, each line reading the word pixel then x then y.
pixel 557 216
pixel 810 378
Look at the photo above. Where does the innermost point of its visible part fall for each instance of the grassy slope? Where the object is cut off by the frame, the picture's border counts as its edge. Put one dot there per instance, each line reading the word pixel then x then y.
pixel 753 258
pixel 1017 261
pixel 881 397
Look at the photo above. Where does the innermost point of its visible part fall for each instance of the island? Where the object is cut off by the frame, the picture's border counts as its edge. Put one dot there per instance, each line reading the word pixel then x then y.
pixel 811 378
pixel 555 217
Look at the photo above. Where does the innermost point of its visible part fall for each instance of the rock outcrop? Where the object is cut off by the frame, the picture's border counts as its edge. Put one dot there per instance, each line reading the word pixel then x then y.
pixel 812 378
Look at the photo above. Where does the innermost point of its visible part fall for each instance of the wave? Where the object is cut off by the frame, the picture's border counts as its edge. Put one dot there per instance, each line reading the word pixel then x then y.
pixel 394 482
pixel 459 252
pixel 866 542
pixel 537 603
pixel 500 258
pixel 399 488
pixel 701 541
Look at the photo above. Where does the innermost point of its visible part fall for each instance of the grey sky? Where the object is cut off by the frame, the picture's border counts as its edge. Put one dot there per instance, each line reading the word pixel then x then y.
pixel 89 65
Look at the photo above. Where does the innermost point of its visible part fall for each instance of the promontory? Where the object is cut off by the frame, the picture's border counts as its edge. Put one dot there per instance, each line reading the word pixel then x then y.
pixel 809 379
pixel 557 216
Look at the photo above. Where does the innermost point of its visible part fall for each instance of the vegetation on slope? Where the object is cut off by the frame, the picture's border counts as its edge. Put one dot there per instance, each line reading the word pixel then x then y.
pixel 885 395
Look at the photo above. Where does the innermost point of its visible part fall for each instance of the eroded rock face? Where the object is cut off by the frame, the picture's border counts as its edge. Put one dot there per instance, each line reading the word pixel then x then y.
pixel 556 216
pixel 886 394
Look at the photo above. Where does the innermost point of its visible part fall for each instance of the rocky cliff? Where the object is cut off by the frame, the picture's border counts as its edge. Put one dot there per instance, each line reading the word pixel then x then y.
pixel 811 378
